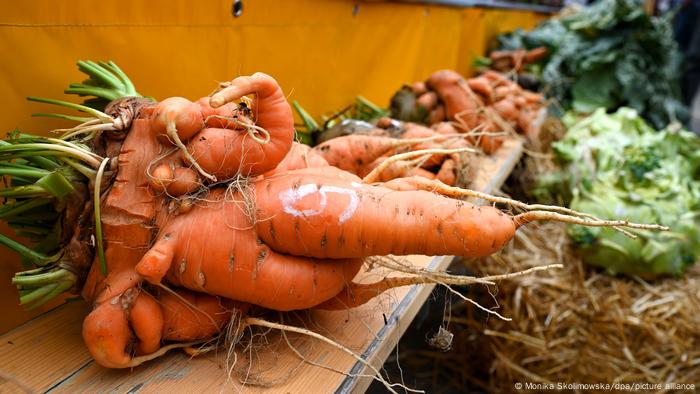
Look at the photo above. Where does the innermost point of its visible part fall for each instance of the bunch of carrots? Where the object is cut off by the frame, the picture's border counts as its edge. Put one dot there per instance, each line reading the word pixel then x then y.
pixel 203 212
pixel 394 149
pixel 483 106
pixel 360 138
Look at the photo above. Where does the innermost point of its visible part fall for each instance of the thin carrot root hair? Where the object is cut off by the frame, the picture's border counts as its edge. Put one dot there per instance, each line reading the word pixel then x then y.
pixel 357 294
pixel 531 216
pixel 174 138
pixel 397 142
pixel 326 367
pixel 136 361
pixel 254 321
pixel 252 129
pixel 188 304
pixel 89 127
pixel 241 185
pixel 536 212
pixel 489 112
pixel 240 324
pixel 423 154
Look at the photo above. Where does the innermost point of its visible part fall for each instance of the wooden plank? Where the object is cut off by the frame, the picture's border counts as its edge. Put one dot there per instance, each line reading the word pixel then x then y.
pixel 371 330
pixel 45 350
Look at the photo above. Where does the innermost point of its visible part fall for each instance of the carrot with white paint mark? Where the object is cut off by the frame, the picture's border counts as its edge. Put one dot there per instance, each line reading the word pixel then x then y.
pixel 309 231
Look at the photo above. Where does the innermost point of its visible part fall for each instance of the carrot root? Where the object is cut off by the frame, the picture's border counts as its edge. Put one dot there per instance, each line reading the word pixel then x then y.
pixel 357 294
pixel 373 176
pixel 536 212
pixel 253 321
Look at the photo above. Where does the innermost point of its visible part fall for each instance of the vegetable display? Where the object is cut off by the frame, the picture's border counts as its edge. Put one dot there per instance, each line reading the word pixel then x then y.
pixel 430 153
pixel 195 223
pixel 618 165
pixel 608 54
pixel 483 106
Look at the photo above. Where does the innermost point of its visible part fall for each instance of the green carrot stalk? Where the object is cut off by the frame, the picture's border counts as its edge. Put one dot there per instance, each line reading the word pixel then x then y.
pixel 27 254
pixel 80 119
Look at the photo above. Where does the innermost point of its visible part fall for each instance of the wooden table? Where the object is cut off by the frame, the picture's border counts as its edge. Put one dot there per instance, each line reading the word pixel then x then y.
pixel 47 354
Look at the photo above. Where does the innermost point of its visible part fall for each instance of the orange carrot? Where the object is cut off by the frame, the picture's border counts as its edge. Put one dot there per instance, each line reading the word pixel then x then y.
pixel 496 79
pixel 418 88
pixel 482 86
pixel 225 154
pixel 506 109
pixel 107 334
pixel 450 87
pixel 188 316
pixel 415 131
pixel 532 98
pixel 427 100
pixel 300 156
pixel 437 115
pixel 179 114
pixel 261 275
pixel 448 172
pixel 398 169
pixel 228 116
pixel 445 128
pixel 146 319
pixel 354 152
pixel 294 205
pixel 185 180
pixel 534 55
pixel 502 92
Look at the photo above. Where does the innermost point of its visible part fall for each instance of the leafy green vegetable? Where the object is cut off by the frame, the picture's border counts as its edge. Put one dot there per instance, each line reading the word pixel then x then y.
pixel 609 54
pixel 617 166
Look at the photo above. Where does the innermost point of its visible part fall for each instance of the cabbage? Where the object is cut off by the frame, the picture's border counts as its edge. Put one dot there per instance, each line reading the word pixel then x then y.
pixel 617 166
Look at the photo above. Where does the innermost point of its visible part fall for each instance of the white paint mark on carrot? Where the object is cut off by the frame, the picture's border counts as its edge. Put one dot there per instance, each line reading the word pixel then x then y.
pixel 291 197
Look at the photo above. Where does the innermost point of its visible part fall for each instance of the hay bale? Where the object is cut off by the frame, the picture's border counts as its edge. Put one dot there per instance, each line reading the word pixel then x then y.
pixel 577 324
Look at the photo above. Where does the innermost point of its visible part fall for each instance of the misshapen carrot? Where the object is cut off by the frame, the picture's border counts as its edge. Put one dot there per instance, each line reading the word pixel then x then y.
pixel 127 218
pixel 189 316
pixel 227 116
pixel 128 212
pixel 506 109
pixel 416 131
pixel 300 156
pixel 427 100
pixel 173 179
pixel 146 317
pixel 107 334
pixel 136 317
pixel 179 114
pixel 437 114
pixel 448 172
pixel 418 88
pixel 449 87
pixel 398 169
pixel 482 86
pixel 237 264
pixel 226 154
pixel 354 152
pixel 343 219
